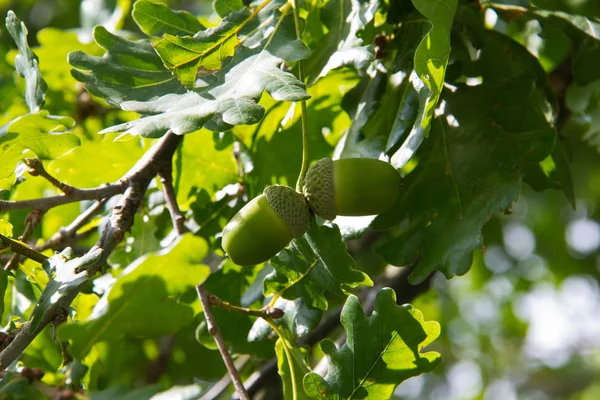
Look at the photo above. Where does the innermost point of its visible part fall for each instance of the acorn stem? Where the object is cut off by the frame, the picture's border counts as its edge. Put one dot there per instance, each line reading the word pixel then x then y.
pixel 305 157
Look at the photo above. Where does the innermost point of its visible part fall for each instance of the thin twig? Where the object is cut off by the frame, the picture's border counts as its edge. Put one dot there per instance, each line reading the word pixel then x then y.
pixel 69 232
pixel 36 168
pixel 213 329
pixel 47 203
pixel 166 178
pixel 22 249
pixel 266 313
pixel 219 387
pixel 32 220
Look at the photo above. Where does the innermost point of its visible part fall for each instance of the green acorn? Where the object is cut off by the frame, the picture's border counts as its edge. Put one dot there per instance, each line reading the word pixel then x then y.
pixel 351 186
pixel 264 226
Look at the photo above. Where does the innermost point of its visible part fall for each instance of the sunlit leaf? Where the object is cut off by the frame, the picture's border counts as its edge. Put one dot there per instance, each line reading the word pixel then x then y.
pixel 431 59
pixel 26 64
pixel 343 44
pixel 206 50
pixel 41 133
pixel 292 365
pixel 141 303
pixel 381 351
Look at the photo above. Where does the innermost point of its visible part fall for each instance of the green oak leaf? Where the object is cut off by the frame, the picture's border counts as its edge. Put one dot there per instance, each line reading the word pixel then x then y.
pixel 6 228
pixel 225 7
pixel 449 198
pixel 342 45
pixel 13 385
pixel 314 266
pixel 298 318
pixel 292 366
pixel 230 96
pixel 141 301
pixel 585 36
pixel 431 59
pixel 381 351
pixel 26 64
pixel 185 56
pixel 156 19
pixel 125 393
pixel 203 162
pixel 117 157
pixel 41 133
pixel 129 70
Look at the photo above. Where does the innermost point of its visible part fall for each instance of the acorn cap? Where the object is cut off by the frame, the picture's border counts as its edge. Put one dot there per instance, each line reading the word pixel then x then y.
pixel 290 206
pixel 319 189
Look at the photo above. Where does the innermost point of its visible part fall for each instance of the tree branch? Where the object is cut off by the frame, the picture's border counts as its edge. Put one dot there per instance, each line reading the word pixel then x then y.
pixel 20 248
pixel 213 329
pixel 47 203
pixel 69 232
pixel 166 178
pixel 136 182
pixel 266 312
pixel 36 168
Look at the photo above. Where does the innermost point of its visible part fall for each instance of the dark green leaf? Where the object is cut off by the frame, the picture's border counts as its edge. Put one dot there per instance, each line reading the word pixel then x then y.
pixel 342 45
pixel 224 7
pixel 129 70
pixel 585 35
pixel 26 64
pixel 450 197
pixel 41 133
pixel 155 19
pixel 124 393
pixel 381 351
pixel 431 59
pixel 314 266
pixel 140 303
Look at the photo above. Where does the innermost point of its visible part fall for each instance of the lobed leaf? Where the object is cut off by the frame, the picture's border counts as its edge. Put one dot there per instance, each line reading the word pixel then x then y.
pixel 129 70
pixel 26 64
pixel 156 19
pixel 185 56
pixel 431 59
pixel 231 95
pixel 450 197
pixel 314 266
pixel 381 351
pixel 343 44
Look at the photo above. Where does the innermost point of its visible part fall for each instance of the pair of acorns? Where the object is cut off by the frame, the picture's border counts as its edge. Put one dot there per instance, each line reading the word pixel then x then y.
pixel 349 186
